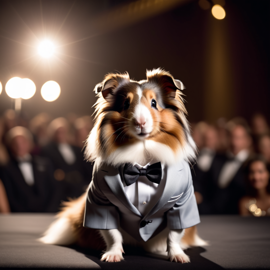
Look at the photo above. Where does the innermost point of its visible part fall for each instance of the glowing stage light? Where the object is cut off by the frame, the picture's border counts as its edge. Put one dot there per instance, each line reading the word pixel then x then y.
pixel 14 87
pixel 218 12
pixel 46 49
pixel 50 91
pixel 1 87
pixel 28 88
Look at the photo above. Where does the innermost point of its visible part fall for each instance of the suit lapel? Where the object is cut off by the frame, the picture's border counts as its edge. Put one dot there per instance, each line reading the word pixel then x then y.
pixel 115 184
pixel 171 175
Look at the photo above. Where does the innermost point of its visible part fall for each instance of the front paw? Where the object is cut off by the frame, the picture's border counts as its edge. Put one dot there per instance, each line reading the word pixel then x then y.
pixel 176 254
pixel 114 255
pixel 181 257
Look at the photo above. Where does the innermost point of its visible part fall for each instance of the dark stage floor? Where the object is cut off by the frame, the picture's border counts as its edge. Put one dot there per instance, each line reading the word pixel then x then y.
pixel 235 243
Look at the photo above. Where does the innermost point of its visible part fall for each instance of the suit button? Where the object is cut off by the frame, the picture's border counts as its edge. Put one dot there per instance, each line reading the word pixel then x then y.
pixel 145 222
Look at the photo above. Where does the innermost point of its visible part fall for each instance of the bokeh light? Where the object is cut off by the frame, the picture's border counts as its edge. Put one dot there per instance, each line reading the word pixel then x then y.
pixel 14 87
pixel 28 88
pixel 50 91
pixel 46 49
pixel 1 87
pixel 218 12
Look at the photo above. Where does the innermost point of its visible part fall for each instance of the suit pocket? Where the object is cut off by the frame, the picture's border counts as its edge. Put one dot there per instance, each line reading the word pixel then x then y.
pixel 175 198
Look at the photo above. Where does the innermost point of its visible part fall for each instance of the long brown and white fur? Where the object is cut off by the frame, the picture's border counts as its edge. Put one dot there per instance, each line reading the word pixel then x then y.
pixel 131 127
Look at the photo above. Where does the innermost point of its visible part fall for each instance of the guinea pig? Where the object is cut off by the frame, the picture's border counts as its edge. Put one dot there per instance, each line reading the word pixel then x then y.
pixel 141 191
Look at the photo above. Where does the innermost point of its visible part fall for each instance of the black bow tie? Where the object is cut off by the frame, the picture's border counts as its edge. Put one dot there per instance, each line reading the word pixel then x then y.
pixel 131 173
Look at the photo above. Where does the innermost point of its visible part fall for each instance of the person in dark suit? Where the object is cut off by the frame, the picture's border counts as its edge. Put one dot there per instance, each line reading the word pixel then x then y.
pixel 206 156
pixel 227 174
pixel 68 163
pixel 28 180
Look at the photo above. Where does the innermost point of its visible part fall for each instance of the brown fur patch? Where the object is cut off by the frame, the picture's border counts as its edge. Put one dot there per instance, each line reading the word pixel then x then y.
pixel 189 236
pixel 86 237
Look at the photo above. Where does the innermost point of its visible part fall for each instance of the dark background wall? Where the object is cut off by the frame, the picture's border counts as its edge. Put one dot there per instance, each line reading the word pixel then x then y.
pixel 223 64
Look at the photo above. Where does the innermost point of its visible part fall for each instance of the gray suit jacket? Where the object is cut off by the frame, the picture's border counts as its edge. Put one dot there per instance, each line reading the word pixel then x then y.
pixel 107 206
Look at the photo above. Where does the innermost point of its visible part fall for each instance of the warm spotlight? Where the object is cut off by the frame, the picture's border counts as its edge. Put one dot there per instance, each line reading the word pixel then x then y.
pixel 28 88
pixel 1 87
pixel 218 12
pixel 46 49
pixel 50 91
pixel 14 87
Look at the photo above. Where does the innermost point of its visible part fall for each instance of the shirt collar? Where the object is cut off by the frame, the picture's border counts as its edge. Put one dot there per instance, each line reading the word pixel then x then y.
pixel 241 156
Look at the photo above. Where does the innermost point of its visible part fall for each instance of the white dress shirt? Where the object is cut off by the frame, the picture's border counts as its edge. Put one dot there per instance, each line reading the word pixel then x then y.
pixel 205 159
pixel 26 169
pixel 67 153
pixel 231 167
pixel 143 193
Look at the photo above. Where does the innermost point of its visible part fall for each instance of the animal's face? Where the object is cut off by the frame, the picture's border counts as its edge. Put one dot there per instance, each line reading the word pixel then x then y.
pixel 130 112
pixel 135 112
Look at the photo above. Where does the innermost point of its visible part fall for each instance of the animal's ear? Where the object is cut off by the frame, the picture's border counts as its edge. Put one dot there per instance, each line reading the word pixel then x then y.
pixel 166 81
pixel 110 84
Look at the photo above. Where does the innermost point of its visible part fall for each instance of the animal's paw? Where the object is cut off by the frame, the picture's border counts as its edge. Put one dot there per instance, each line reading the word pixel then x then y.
pixel 114 255
pixel 182 258
pixel 176 254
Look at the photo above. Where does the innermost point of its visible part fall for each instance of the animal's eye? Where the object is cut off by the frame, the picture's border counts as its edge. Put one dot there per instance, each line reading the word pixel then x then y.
pixel 153 103
pixel 126 104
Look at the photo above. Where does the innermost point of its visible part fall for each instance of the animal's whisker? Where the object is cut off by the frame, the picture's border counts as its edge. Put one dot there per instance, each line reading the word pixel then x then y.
pixel 119 134
pixel 123 136
pixel 103 146
pixel 125 117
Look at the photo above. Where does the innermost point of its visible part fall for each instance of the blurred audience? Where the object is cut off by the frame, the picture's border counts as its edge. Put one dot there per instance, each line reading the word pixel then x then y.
pixel 264 146
pixel 257 200
pixel 198 133
pixel 222 182
pixel 259 125
pixel 68 161
pixel 39 128
pixel 209 147
pixel 27 180
pixel 223 138
pixel 82 129
pixel 44 165
pixel 227 175
pixel 259 128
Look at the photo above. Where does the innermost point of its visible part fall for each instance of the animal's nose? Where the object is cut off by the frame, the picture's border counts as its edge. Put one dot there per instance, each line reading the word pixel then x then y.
pixel 140 122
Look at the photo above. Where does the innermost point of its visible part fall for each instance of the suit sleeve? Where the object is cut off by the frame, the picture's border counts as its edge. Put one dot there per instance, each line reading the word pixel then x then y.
pixel 184 213
pixel 100 213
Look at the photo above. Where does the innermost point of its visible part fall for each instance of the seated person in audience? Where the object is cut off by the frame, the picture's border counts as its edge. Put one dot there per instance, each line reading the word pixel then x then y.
pixel 200 170
pixel 257 200
pixel 83 126
pixel 28 180
pixel 264 147
pixel 39 128
pixel 226 174
pixel 81 132
pixel 68 161
pixel 198 131
pixel 259 125
pixel 223 138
